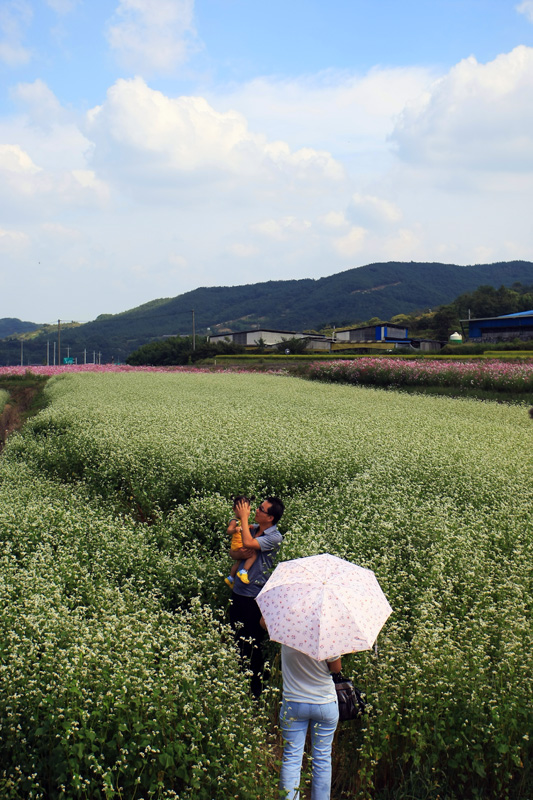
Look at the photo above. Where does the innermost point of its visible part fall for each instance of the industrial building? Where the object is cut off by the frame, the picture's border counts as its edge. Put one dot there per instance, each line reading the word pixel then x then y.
pixel 500 329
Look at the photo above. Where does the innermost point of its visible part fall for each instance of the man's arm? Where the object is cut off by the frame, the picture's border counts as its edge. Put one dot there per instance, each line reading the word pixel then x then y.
pixel 242 510
pixel 241 553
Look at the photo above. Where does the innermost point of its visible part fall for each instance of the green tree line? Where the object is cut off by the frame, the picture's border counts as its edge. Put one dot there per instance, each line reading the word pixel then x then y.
pixel 179 350
pixel 485 301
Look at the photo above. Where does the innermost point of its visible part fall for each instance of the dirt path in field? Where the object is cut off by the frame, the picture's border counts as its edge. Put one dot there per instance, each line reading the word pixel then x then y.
pixel 17 409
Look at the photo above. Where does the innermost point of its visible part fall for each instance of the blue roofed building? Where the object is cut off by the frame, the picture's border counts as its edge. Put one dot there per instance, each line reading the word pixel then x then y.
pixel 382 332
pixel 501 329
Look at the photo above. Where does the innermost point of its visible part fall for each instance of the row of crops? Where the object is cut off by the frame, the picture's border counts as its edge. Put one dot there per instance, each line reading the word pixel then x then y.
pixel 119 676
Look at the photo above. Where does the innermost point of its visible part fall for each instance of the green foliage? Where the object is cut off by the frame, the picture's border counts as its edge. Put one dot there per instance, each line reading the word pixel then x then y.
pixel 485 301
pixel 10 326
pixel 293 345
pixel 477 348
pixel 179 350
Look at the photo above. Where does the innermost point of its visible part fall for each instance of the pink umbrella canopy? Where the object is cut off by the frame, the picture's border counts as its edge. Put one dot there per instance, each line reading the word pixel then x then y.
pixel 323 606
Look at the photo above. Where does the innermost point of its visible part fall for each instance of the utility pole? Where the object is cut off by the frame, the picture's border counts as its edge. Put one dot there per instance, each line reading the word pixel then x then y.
pixel 22 352
pixel 59 342
pixel 48 353
pixel 193 331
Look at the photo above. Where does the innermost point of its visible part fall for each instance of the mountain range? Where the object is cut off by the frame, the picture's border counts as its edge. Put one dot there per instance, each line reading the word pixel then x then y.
pixel 375 290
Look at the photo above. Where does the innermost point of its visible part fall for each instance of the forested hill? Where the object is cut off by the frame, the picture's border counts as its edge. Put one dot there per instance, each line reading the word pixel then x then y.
pixel 376 290
pixel 9 326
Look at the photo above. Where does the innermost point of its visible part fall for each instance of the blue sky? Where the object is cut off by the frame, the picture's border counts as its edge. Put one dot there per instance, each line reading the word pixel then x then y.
pixel 148 147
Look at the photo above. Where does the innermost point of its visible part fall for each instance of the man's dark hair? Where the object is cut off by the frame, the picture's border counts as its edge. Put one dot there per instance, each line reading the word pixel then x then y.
pixel 276 508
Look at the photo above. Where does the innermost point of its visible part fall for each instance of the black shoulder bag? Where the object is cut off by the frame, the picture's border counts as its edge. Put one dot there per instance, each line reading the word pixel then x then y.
pixel 350 699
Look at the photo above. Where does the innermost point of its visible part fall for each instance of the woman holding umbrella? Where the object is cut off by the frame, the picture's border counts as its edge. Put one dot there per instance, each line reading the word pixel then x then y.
pixel 309 699
pixel 317 607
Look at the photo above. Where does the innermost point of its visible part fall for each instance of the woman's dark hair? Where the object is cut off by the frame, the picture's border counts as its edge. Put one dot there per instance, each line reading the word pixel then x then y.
pixel 276 508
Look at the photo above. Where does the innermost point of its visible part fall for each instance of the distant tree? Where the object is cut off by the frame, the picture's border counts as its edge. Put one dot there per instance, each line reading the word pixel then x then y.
pixel 178 350
pixel 293 345
pixel 445 322
pixel 401 319
pixel 260 344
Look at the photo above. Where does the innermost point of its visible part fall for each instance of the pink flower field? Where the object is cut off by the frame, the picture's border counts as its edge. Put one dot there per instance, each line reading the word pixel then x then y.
pixel 63 370
pixel 488 375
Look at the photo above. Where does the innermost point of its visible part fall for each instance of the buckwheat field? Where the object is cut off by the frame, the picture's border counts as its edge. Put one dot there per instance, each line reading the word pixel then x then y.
pixel 119 674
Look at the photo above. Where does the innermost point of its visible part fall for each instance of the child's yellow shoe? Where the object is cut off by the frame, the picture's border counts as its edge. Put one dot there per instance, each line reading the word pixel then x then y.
pixel 229 581
pixel 243 575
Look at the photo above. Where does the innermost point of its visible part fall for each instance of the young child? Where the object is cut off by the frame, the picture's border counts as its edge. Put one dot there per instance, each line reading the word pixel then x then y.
pixel 234 528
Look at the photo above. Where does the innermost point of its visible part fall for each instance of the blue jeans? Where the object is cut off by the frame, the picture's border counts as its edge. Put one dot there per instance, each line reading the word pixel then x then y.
pixel 295 719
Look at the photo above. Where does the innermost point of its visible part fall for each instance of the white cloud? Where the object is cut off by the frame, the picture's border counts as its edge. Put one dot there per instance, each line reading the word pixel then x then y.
pixel 526 8
pixel 404 244
pixel 15 17
pixel 177 260
pixel 43 159
pixel 13 159
pixel 158 139
pixel 352 244
pixel 12 240
pixel 62 233
pixel 242 250
pixel 39 102
pixel 349 115
pixel 22 182
pixel 281 229
pixel 368 209
pixel 153 36
pixel 478 117
pixel 62 6
pixel 334 219
pixel 45 130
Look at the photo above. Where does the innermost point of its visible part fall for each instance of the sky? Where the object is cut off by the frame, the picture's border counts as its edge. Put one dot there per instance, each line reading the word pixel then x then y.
pixel 150 147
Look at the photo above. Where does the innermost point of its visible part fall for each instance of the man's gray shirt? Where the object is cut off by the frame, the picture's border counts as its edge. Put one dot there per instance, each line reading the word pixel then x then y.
pixel 260 570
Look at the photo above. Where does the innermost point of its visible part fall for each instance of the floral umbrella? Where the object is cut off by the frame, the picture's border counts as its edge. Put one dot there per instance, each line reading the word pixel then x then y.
pixel 323 606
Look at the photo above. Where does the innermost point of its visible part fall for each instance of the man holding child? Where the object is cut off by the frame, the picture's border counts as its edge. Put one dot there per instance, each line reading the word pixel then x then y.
pixel 264 539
